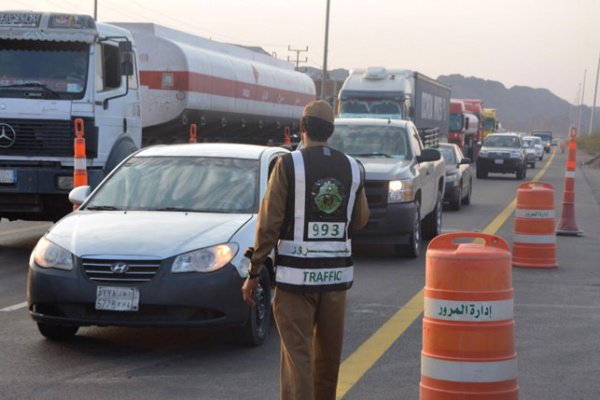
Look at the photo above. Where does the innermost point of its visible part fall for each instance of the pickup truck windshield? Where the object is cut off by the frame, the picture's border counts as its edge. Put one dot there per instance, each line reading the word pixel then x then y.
pixel 195 184
pixel 374 141
pixel 43 69
pixel 502 141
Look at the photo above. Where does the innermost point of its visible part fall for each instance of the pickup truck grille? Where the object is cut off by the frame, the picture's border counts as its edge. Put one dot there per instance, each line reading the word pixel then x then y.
pixel 377 193
pixel 133 271
pixel 47 137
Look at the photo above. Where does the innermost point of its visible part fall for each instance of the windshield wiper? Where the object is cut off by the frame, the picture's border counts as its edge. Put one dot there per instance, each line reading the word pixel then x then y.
pixel 110 208
pixel 371 155
pixel 174 209
pixel 42 86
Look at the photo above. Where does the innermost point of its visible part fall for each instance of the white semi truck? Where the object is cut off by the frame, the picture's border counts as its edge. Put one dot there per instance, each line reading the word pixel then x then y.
pixel 132 84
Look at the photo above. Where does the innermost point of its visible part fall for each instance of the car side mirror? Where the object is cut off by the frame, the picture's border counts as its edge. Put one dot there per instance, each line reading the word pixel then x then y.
pixel 78 195
pixel 429 155
pixel 465 160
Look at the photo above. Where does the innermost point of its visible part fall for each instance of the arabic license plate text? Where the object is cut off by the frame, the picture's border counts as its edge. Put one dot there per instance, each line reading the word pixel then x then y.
pixel 8 176
pixel 114 298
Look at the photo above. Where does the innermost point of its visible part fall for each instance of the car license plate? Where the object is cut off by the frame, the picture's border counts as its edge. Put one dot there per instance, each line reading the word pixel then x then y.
pixel 8 176
pixel 114 298
pixel 499 161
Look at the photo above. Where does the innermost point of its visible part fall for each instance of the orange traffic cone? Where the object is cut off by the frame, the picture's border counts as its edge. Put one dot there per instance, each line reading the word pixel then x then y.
pixel 80 177
pixel 287 138
pixel 567 224
pixel 193 133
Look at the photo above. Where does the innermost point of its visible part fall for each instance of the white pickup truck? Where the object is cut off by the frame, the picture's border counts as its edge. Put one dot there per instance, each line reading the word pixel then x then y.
pixel 404 181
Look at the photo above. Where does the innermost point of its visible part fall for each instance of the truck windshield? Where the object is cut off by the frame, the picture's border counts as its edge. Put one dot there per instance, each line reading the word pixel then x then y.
pixel 456 122
pixel 194 184
pixel 43 69
pixel 489 124
pixel 378 107
pixel 371 141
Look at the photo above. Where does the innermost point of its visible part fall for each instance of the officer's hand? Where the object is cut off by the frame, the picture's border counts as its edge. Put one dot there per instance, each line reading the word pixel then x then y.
pixel 249 290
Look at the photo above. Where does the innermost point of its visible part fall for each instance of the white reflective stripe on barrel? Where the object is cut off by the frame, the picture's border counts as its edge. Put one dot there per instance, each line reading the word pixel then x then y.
pixel 570 174
pixel 535 214
pixel 467 371
pixel 535 239
pixel 474 311
pixel 79 163
pixel 314 276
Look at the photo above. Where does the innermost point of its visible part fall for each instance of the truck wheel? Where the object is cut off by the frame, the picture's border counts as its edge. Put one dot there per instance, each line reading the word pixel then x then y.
pixel 254 331
pixel 457 201
pixel 413 248
pixel 57 332
pixel 432 225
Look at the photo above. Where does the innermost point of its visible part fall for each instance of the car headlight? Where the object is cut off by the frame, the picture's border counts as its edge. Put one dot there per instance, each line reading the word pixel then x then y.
pixel 483 153
pixel 452 177
pixel 399 191
pixel 205 260
pixel 515 154
pixel 49 255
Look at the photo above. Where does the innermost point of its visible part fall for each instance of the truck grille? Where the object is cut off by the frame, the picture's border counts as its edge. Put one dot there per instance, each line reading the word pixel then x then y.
pixel 48 137
pixel 377 193
pixel 133 271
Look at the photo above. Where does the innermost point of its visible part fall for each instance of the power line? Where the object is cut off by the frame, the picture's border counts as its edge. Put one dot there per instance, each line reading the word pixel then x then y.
pixel 298 51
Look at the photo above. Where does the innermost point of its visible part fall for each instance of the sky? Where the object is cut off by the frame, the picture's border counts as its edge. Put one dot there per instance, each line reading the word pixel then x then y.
pixel 536 43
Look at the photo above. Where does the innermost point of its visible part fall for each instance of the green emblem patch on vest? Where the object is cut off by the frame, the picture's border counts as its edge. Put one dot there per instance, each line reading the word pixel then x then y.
pixel 327 196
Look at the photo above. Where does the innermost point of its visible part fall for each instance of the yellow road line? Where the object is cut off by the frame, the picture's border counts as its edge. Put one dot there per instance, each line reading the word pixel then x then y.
pixel 358 363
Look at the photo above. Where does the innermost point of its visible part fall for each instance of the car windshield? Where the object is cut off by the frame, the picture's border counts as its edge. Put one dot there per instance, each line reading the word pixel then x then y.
pixel 371 141
pixel 448 154
pixel 527 143
pixel 196 184
pixel 502 141
pixel 546 137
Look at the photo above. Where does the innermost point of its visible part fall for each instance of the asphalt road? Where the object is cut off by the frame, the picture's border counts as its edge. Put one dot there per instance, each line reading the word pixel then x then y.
pixel 557 315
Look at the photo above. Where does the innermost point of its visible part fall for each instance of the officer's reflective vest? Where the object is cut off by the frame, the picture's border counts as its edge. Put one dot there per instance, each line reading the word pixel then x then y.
pixel 314 251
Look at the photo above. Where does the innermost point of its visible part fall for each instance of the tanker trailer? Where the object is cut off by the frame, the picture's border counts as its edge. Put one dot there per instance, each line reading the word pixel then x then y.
pixel 231 93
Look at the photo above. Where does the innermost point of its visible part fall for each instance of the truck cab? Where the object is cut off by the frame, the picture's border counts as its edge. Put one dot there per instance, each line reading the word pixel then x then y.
pixel 85 72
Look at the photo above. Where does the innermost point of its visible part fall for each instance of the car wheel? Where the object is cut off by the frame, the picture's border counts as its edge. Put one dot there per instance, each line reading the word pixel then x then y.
pixel 254 331
pixel 413 248
pixel 432 225
pixel 467 198
pixel 57 332
pixel 457 201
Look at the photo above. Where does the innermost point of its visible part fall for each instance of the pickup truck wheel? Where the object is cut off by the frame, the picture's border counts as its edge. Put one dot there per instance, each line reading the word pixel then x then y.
pixel 57 332
pixel 413 248
pixel 254 331
pixel 432 225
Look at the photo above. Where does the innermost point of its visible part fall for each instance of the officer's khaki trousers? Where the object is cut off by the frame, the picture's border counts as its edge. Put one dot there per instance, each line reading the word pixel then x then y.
pixel 311 328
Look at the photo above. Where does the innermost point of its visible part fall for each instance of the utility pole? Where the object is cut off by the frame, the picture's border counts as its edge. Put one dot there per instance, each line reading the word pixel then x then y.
pixel 298 51
pixel 594 103
pixel 581 102
pixel 324 74
pixel 95 10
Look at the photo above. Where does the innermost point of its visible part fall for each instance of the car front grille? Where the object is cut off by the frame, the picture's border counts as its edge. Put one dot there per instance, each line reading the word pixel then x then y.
pixel 120 271
pixel 377 193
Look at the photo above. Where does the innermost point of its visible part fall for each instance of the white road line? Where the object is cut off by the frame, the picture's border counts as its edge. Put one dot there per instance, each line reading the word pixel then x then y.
pixel 15 307
pixel 28 229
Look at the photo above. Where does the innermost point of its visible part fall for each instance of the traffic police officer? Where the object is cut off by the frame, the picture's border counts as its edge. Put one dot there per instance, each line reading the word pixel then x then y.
pixel 314 200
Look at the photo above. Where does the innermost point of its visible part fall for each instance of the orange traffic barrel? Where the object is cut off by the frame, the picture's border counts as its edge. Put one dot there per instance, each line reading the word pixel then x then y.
pixel 80 177
pixel 468 326
pixel 534 237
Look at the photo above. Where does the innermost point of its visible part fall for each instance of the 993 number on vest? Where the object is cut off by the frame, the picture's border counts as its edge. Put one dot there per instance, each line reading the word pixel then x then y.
pixel 326 230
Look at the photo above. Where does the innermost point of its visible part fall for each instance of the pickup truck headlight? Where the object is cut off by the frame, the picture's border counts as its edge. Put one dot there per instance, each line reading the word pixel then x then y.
pixel 49 255
pixel 400 191
pixel 205 260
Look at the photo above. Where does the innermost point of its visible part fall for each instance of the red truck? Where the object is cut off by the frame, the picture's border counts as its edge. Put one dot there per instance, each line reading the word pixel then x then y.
pixel 469 132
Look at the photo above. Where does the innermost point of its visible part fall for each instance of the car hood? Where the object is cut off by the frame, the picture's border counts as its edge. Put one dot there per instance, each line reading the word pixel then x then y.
pixel 143 233
pixel 377 168
pixel 499 149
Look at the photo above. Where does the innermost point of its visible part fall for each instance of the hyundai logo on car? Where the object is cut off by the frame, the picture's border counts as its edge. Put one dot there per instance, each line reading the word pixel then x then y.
pixel 119 268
